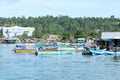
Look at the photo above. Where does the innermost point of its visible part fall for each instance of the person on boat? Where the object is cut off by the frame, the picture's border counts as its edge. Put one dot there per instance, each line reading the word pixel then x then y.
pixel 102 47
pixel 108 48
pixel 115 50
pixel 93 47
pixel 40 49
pixel 115 56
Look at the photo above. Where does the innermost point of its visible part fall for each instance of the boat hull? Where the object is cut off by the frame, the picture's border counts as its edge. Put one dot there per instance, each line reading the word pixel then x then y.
pixel 54 52
pixel 111 53
pixel 25 51
pixel 86 53
pixel 97 52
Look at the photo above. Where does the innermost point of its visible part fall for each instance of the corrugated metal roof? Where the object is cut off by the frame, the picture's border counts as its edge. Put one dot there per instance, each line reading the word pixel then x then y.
pixel 110 35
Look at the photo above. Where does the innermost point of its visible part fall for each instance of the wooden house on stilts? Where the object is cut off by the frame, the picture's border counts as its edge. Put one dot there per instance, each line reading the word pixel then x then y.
pixel 112 39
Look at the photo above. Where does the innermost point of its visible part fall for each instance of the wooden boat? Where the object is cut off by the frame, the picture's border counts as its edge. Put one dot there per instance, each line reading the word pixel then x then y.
pixel 44 47
pixel 12 40
pixel 25 50
pixel 21 48
pixel 47 49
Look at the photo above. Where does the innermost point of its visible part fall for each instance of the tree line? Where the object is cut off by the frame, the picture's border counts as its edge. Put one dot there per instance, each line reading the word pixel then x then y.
pixel 65 26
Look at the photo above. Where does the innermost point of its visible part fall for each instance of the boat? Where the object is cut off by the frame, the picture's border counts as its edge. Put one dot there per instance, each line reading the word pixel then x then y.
pixel 22 48
pixel 70 47
pixel 106 53
pixel 54 52
pixel 91 51
pixel 46 47
pixel 113 51
pixel 12 41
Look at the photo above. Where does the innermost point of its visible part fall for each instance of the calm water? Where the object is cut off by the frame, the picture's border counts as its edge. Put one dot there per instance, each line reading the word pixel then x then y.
pixel 56 67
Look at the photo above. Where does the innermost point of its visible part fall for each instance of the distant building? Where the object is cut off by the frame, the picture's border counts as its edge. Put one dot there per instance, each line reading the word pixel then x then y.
pixel 53 37
pixel 16 31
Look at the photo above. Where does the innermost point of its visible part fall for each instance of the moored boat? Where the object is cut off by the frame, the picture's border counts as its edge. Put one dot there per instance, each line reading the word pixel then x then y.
pixel 53 50
pixel 106 53
pixel 25 50
pixel 21 48
pixel 89 51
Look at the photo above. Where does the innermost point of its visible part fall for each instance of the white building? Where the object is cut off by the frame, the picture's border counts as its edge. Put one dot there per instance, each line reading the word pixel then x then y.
pixel 80 40
pixel 17 31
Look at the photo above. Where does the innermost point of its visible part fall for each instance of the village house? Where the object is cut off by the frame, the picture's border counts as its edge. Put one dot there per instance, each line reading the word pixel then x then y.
pixel 53 37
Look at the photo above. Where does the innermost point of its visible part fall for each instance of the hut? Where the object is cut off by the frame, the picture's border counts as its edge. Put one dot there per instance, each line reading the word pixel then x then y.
pixel 113 39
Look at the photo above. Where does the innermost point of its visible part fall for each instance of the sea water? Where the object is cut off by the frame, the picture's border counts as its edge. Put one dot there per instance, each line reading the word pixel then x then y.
pixel 56 67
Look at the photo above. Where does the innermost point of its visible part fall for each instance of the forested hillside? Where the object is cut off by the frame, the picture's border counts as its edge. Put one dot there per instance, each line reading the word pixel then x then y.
pixel 64 25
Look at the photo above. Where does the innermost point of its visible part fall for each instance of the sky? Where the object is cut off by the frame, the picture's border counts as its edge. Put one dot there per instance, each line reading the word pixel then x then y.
pixel 71 8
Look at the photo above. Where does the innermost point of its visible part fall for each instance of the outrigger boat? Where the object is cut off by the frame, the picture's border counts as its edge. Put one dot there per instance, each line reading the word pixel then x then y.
pixel 52 50
pixel 89 51
pixel 21 48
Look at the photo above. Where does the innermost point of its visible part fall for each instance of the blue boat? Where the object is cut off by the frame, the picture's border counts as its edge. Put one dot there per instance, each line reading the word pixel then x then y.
pixel 90 51
pixel 97 52
pixel 106 53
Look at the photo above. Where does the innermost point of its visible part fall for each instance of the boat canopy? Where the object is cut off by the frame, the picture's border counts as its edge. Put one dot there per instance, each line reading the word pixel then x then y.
pixel 110 35
pixel 21 46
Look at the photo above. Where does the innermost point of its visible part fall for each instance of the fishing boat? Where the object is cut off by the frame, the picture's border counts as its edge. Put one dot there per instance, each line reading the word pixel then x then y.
pixel 91 51
pixel 46 47
pixel 22 48
pixel 12 41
